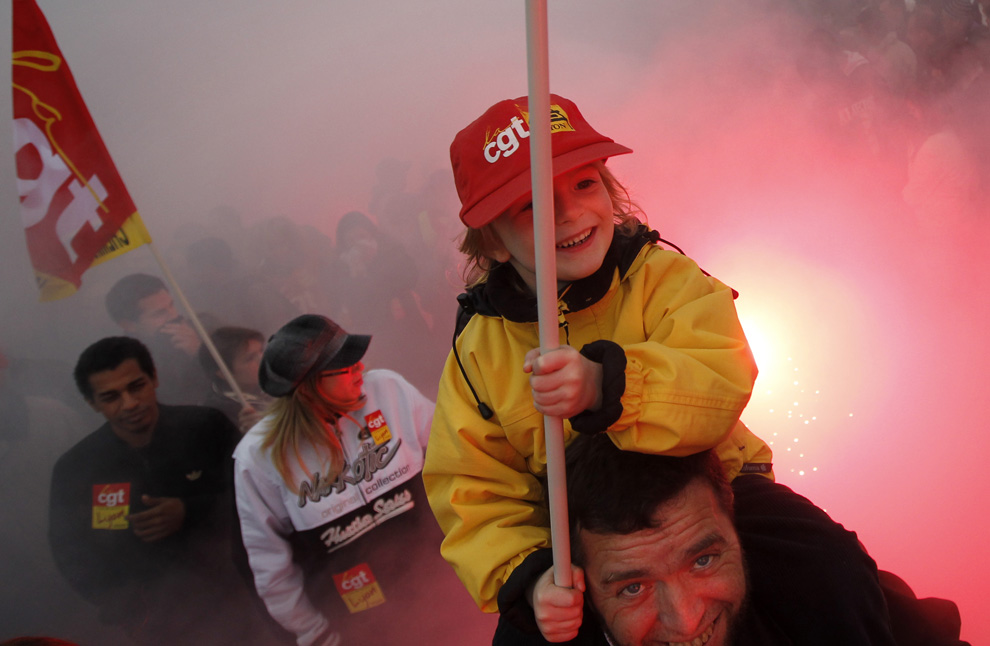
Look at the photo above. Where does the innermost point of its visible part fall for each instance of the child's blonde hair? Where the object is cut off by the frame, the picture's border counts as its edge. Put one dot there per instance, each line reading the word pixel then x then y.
pixel 479 245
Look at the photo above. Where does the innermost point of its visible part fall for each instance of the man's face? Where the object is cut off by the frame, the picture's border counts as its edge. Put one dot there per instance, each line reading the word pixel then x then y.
pixel 683 583
pixel 125 396
pixel 153 312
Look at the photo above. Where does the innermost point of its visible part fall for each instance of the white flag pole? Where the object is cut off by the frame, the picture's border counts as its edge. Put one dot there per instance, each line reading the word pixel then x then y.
pixel 200 330
pixel 546 271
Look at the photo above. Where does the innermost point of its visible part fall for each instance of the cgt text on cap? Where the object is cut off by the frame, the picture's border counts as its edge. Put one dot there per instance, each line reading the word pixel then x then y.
pixel 306 345
pixel 490 157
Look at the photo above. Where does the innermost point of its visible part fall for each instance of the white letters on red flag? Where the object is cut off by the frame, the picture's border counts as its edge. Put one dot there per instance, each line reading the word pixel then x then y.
pixel 75 208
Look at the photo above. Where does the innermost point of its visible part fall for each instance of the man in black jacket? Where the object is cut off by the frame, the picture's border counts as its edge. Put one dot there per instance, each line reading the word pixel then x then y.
pixel 140 510
pixel 669 552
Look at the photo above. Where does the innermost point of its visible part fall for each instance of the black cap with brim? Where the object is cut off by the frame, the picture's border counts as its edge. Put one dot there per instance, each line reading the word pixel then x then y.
pixel 306 345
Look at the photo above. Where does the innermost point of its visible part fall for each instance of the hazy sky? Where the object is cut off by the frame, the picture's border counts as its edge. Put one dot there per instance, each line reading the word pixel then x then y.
pixel 871 336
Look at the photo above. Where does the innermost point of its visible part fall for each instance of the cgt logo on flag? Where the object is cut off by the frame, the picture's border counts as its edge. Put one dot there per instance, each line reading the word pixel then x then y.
pixel 111 505
pixel 73 202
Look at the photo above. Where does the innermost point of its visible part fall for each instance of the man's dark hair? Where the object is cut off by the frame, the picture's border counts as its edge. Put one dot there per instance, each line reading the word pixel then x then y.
pixel 107 354
pixel 611 491
pixel 228 341
pixel 123 298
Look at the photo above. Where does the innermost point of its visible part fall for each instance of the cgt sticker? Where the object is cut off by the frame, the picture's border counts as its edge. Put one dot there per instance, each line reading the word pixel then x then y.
pixel 359 589
pixel 111 505
pixel 378 427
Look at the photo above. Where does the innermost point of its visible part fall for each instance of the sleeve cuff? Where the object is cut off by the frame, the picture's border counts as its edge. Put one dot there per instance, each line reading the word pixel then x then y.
pixel 613 360
pixel 512 604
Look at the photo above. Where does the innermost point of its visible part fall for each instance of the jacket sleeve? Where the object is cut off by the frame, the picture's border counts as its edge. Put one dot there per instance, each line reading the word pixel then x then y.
pixel 423 410
pixel 278 579
pixel 419 407
pixel 489 506
pixel 689 371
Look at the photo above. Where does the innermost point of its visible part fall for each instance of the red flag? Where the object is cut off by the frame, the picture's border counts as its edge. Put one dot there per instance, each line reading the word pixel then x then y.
pixel 74 206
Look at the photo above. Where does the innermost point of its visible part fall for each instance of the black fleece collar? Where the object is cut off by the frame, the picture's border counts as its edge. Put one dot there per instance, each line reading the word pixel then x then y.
pixel 505 294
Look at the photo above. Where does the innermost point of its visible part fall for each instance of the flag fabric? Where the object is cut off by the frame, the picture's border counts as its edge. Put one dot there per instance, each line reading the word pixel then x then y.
pixel 75 208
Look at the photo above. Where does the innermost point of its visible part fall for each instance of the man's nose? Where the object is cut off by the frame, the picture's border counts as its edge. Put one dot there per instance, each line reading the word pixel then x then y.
pixel 128 401
pixel 680 613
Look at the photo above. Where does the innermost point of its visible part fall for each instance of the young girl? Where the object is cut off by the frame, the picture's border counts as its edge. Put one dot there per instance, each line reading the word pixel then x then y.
pixel 332 511
pixel 651 352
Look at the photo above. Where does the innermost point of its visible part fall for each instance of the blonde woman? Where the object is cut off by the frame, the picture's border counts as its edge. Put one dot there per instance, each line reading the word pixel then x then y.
pixel 338 532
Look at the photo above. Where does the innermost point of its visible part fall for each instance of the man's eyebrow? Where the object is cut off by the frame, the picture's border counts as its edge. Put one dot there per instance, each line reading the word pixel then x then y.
pixel 137 382
pixel 704 543
pixel 623 575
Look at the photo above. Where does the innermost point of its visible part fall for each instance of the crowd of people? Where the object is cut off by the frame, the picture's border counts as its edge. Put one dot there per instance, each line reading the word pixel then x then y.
pixel 243 285
pixel 259 486
pixel 902 86
pixel 141 512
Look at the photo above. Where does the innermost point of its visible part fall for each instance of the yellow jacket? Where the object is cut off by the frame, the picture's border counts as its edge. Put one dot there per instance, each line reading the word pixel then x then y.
pixel 688 374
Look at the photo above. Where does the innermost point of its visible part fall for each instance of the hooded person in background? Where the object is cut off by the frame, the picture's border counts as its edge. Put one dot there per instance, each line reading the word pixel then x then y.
pixel 334 519
pixel 376 281
pixel 236 294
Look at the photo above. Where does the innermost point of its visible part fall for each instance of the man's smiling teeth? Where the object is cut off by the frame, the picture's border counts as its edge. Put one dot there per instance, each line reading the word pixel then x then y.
pixel 697 641
pixel 575 240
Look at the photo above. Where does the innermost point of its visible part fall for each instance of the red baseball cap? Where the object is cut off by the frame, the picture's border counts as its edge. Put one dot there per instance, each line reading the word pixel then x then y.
pixel 490 157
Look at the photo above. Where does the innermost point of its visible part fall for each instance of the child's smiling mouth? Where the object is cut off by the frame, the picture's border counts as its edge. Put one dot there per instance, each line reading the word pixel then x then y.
pixel 576 240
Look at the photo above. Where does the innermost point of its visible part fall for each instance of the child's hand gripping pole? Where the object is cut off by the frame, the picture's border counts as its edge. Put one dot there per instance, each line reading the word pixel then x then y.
pixel 546 271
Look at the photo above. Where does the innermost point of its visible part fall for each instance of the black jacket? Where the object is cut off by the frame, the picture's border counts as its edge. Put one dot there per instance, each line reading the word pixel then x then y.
pixel 101 479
